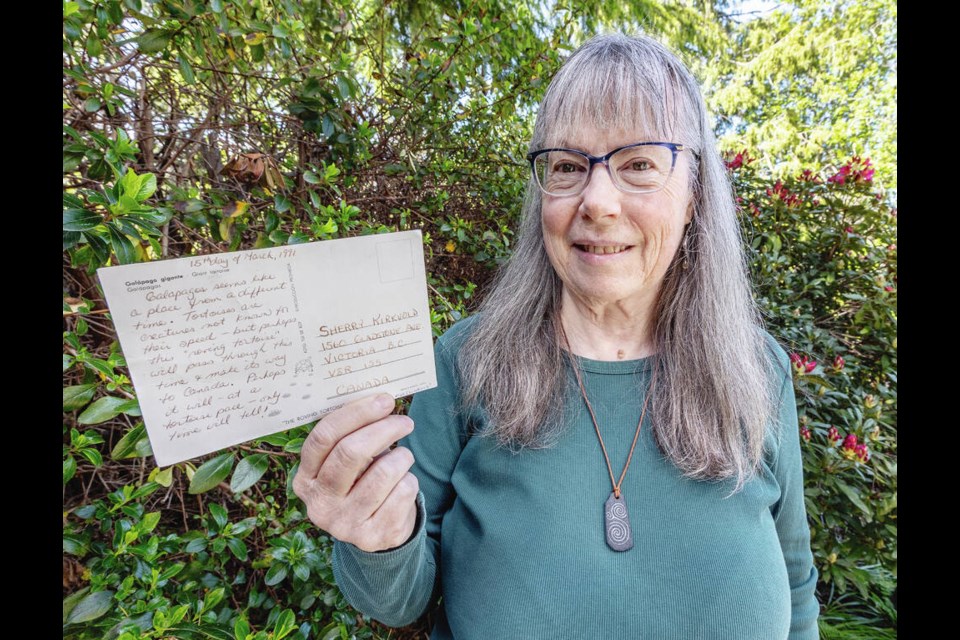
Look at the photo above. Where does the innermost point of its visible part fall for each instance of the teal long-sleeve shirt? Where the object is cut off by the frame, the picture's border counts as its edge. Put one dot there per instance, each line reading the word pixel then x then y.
pixel 514 541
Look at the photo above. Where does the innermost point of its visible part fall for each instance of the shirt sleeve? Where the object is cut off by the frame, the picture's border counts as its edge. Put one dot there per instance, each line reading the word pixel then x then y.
pixel 790 514
pixel 397 586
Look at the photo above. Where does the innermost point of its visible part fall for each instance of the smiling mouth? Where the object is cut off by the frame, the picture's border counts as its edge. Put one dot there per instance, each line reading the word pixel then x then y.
pixel 589 248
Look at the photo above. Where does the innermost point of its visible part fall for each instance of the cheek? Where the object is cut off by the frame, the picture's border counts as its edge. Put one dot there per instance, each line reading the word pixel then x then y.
pixel 554 229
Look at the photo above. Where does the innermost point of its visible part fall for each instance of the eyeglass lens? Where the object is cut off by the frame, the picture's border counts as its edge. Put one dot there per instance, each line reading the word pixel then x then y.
pixel 638 169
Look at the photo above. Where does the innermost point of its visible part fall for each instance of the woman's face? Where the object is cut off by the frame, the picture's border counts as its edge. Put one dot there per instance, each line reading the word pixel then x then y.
pixel 609 246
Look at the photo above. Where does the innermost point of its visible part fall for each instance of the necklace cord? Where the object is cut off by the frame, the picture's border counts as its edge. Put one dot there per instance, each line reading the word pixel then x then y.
pixel 593 417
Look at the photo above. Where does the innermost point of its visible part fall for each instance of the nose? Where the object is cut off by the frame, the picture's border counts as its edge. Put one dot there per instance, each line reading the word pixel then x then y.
pixel 600 199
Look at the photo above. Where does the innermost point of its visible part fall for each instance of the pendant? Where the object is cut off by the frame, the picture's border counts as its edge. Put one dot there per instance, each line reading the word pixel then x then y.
pixel 617 524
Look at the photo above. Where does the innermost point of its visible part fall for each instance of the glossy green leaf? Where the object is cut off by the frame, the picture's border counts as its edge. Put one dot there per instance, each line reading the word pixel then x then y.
pixel 301 571
pixel 149 522
pixel 153 40
pixel 148 186
pixel 219 515
pixel 94 47
pixel 164 477
pixel 286 622
pixel 74 545
pixel 127 445
pixel 71 239
pixel 211 473
pixel 276 439
pixel 144 490
pixel 77 396
pixel 80 219
pixel 132 407
pixel 213 598
pixel 93 456
pixel 343 86
pixel 121 245
pixel 172 570
pixel 91 607
pixel 243 526
pixel 105 408
pixel 186 70
pixel 91 104
pixel 275 574
pixel 294 445
pixel 115 12
pixel 70 602
pixel 241 628
pixel 237 548
pixel 854 498
pixel 248 471
pixel 69 468
pixel 208 631
pixel 98 245
pixel 311 177
pixel 281 204
pixel 196 545
pixel 85 512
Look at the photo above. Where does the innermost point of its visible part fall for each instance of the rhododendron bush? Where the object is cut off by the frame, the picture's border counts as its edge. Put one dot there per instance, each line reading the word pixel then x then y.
pixel 824 262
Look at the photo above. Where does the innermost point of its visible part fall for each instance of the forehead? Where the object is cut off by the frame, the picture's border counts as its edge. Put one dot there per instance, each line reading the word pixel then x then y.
pixel 600 141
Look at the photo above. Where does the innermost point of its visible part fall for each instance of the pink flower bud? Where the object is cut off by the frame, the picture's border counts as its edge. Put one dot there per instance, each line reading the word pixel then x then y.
pixel 862 453
pixel 838 363
pixel 833 434
pixel 850 442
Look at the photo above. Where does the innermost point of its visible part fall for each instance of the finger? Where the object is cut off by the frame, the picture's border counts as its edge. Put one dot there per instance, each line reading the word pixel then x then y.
pixel 355 452
pixel 395 519
pixel 334 426
pixel 378 481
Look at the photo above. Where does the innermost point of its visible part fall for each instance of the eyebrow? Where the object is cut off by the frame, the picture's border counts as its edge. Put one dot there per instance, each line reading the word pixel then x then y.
pixel 566 144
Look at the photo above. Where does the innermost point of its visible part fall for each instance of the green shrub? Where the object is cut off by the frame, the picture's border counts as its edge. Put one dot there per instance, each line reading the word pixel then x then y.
pixel 825 265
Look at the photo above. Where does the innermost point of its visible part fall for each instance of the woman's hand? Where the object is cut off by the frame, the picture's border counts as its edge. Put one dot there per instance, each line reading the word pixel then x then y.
pixel 354 488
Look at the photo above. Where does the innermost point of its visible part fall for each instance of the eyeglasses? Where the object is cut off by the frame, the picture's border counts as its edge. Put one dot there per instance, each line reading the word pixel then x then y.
pixel 643 167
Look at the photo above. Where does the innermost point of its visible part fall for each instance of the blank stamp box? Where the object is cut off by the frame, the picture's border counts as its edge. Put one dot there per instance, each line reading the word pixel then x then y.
pixel 395 259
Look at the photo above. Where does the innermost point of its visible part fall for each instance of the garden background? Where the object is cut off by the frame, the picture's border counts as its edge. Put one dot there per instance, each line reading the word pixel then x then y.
pixel 194 127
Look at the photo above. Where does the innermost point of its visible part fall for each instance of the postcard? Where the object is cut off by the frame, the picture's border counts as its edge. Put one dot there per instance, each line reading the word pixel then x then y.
pixel 229 347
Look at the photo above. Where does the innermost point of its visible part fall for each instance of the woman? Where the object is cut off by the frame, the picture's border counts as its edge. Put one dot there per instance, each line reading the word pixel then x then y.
pixel 612 448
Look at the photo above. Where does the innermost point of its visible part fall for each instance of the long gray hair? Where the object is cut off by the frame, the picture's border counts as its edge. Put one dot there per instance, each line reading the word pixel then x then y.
pixel 713 398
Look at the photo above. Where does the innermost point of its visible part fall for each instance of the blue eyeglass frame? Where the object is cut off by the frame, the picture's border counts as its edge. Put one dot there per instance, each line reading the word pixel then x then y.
pixel 605 161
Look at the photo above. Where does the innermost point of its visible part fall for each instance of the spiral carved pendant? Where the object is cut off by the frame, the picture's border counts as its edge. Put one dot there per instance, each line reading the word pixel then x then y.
pixel 617 524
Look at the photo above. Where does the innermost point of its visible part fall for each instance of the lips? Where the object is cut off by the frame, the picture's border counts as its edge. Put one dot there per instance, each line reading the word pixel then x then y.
pixel 602 249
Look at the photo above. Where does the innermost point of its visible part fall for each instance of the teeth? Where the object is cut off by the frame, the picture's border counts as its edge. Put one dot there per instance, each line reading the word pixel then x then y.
pixel 602 250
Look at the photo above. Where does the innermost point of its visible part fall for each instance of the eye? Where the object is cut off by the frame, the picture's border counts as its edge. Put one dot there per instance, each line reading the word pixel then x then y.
pixel 566 167
pixel 638 164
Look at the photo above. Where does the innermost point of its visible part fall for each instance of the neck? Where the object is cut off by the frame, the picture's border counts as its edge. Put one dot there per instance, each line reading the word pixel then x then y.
pixel 607 330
